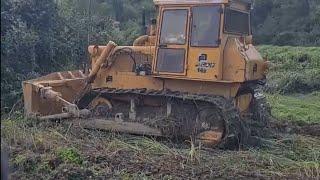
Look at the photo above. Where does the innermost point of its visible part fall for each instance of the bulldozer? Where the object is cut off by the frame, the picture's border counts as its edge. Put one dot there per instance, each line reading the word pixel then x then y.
pixel 193 74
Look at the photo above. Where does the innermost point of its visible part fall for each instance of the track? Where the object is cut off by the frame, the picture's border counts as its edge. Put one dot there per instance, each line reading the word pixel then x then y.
pixel 191 114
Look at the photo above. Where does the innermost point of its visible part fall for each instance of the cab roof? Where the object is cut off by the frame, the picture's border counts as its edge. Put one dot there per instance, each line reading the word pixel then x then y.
pixel 184 2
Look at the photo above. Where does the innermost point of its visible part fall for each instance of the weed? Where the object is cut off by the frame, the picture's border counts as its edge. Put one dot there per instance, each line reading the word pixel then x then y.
pixel 44 167
pixel 194 154
pixel 27 162
pixel 19 159
pixel 150 146
pixel 70 155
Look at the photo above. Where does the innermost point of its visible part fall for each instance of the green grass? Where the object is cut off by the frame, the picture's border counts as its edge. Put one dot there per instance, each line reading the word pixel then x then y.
pixel 290 57
pixel 70 155
pixel 293 69
pixel 304 108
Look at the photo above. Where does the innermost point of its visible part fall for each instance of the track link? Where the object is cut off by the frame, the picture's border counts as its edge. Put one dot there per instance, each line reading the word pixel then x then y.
pixel 235 132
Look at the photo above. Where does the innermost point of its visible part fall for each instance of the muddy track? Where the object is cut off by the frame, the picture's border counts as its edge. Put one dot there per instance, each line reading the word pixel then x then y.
pixel 236 129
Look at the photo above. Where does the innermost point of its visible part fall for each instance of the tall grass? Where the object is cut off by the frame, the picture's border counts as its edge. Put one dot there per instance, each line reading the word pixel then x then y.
pixel 293 69
pixel 298 107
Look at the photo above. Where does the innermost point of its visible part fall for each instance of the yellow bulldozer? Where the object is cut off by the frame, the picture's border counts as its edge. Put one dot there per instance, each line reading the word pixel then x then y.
pixel 193 75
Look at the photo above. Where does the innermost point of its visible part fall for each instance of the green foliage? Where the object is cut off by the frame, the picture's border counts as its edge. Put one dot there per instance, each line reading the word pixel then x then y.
pixel 28 164
pixel 304 108
pixel 39 37
pixel 70 155
pixel 34 42
pixel 293 69
pixel 286 22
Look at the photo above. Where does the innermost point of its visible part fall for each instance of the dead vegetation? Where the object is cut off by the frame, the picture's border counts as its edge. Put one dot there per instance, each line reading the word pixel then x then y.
pixel 47 150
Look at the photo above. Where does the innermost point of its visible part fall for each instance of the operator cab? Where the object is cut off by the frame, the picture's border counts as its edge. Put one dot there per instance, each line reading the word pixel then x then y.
pixel 191 35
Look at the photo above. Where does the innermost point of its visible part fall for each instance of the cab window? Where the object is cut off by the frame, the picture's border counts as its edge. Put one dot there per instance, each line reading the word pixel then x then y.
pixel 205 26
pixel 237 22
pixel 174 25
pixel 171 60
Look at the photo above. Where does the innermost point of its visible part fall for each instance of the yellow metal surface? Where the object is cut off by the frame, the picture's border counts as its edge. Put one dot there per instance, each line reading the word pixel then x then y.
pixel 233 63
pixel 102 58
pixel 191 70
pixel 141 41
pixel 214 59
pixel 129 80
pixel 145 40
pixel 67 88
pixel 227 90
pixel 230 60
pixel 243 102
pixel 210 138
pixel 96 51
pixel 256 68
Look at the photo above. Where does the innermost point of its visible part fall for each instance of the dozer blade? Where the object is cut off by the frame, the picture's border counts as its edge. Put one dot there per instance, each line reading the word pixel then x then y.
pixel 50 95
pixel 55 96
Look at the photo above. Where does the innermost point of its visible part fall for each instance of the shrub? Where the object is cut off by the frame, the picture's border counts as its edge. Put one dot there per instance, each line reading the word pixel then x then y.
pixel 70 155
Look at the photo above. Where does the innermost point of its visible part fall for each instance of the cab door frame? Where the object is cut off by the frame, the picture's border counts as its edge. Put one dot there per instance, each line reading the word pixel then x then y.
pixel 210 68
pixel 184 46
